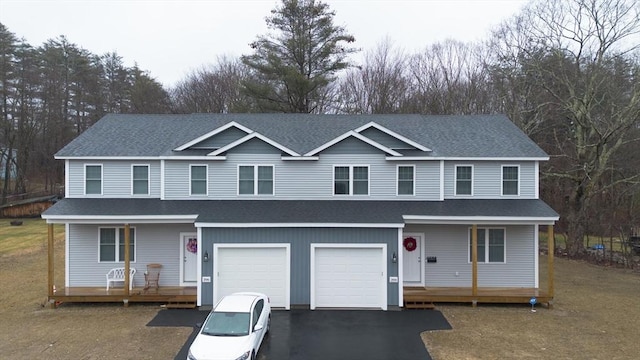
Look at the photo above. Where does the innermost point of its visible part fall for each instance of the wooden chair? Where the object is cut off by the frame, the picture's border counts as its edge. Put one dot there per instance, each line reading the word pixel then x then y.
pixel 152 276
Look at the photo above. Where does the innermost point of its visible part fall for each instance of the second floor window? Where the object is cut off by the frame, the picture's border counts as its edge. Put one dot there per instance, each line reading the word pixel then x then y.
pixel 510 180
pixel 198 180
pixel 93 179
pixel 351 180
pixel 140 179
pixel 464 179
pixel 255 180
pixel 405 180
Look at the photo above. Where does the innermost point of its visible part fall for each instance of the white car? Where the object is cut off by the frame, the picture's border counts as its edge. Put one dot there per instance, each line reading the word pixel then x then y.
pixel 234 329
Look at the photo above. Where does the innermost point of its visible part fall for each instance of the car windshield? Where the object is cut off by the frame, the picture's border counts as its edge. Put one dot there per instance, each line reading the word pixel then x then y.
pixel 227 324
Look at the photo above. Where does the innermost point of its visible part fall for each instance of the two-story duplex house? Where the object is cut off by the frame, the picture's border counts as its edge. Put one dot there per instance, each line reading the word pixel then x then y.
pixel 320 211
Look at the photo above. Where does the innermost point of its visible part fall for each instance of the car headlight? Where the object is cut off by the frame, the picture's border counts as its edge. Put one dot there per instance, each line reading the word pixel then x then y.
pixel 244 356
pixel 190 356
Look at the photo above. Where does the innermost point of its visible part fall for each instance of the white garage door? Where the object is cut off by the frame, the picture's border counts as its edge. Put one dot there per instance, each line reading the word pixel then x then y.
pixel 348 277
pixel 253 268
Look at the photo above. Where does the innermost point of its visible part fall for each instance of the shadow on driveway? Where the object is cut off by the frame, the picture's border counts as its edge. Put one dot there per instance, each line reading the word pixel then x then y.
pixel 331 334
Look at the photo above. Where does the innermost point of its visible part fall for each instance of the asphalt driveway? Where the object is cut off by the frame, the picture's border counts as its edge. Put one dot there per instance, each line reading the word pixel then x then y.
pixel 332 334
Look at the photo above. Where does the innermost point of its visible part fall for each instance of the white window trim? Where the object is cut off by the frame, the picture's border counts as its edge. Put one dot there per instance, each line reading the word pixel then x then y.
pixel 502 180
pixel 455 179
pixel 117 229
pixel 84 184
pixel 148 166
pixel 333 180
pixel 486 245
pixel 206 180
pixel 413 191
pixel 255 179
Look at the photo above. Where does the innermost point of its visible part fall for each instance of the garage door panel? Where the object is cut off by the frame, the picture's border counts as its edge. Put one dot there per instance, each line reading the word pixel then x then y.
pixel 349 277
pixel 260 269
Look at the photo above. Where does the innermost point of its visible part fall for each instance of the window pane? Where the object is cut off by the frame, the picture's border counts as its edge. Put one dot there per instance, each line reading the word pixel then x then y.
pixel 245 180
pixel 360 180
pixel 140 173
pixel 265 180
pixel 93 179
pixel 463 180
pixel 405 180
pixel 141 180
pixel 107 244
pixel 496 245
pixel 510 180
pixel 198 180
pixel 341 180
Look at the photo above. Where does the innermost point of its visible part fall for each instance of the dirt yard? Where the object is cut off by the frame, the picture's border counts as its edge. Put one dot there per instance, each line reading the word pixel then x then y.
pixel 596 316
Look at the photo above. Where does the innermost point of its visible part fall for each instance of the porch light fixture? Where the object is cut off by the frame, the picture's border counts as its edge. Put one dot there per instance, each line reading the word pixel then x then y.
pixel 206 256
pixel 394 258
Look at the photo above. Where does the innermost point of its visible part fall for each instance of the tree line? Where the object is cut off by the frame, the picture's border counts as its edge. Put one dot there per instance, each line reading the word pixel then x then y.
pixel 566 72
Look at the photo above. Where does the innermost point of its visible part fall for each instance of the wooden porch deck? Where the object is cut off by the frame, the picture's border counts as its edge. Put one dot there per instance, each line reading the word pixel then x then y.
pixel 419 296
pixel 171 296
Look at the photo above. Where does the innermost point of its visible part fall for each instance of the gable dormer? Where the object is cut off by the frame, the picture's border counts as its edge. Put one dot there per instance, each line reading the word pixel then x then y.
pixel 389 138
pixel 218 138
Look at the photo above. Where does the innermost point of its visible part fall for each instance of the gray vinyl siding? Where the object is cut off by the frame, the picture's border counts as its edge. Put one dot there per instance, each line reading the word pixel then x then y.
pixel 312 180
pixel 116 178
pixel 487 178
pixel 155 243
pixel 221 139
pixel 450 245
pixel 300 240
pixel 385 139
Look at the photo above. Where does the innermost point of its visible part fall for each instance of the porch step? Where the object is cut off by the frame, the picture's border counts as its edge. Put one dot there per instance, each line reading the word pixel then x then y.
pixel 176 304
pixel 417 304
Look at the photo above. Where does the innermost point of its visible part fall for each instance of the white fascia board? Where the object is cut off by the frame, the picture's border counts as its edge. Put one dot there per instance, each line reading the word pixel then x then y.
pixel 299 158
pixel 205 157
pixel 392 133
pixel 110 219
pixel 93 158
pixel 357 136
pixel 253 136
pixel 483 220
pixel 297 225
pixel 416 158
pixel 211 133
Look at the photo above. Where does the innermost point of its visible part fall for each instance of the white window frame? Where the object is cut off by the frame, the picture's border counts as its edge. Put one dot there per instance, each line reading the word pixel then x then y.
pixel 351 180
pixel 117 245
pixel 133 180
pixel 206 179
pixel 502 179
pixel 101 178
pixel 455 177
pixel 413 190
pixel 256 168
pixel 486 245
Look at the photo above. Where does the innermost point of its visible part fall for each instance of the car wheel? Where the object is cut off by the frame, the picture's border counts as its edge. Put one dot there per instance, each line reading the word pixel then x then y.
pixel 268 325
pixel 253 355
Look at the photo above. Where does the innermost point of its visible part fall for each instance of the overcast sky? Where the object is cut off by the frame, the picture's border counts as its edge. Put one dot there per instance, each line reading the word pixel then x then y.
pixel 170 38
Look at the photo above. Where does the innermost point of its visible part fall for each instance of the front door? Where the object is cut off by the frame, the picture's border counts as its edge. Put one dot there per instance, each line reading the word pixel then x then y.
pixel 412 260
pixel 189 242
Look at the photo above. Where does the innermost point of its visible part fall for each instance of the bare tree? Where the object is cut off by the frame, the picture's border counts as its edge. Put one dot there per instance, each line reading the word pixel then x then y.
pixel 579 54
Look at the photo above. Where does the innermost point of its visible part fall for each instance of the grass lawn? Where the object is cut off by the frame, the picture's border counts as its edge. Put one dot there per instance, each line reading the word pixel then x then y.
pixel 596 315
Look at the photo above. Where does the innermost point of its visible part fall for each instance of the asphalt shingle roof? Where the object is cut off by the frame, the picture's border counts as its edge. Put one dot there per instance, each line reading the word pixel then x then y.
pixel 301 211
pixel 136 135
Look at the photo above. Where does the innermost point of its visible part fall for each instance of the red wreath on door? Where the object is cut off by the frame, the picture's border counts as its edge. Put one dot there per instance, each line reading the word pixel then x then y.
pixel 410 244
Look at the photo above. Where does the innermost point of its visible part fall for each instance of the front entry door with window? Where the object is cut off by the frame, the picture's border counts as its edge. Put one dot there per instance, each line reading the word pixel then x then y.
pixel 189 257
pixel 412 252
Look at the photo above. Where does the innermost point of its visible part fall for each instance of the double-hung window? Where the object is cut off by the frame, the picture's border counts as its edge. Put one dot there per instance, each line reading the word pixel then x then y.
pixel 491 245
pixel 93 179
pixel 464 180
pixel 510 180
pixel 112 244
pixel 140 179
pixel 351 180
pixel 198 180
pixel 255 180
pixel 406 180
